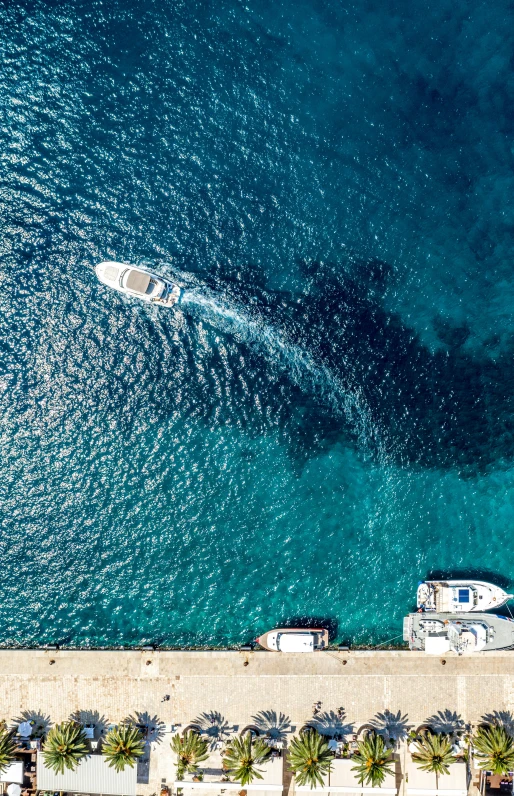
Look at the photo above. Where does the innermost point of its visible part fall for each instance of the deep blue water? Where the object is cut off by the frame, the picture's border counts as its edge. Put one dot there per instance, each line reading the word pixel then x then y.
pixel 330 414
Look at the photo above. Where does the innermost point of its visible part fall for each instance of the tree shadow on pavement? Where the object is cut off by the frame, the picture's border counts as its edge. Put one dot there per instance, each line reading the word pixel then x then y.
pixel 274 725
pixel 391 725
pixel 214 726
pixel 447 721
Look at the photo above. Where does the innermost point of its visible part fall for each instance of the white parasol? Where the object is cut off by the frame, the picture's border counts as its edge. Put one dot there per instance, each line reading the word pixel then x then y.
pixel 25 729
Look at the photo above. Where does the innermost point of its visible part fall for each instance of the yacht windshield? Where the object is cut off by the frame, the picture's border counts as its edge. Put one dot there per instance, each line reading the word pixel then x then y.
pixel 152 287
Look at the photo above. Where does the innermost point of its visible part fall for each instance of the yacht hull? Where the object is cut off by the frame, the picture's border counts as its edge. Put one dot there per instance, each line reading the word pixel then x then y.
pixel 460 596
pixel 430 632
pixel 139 283
pixel 271 640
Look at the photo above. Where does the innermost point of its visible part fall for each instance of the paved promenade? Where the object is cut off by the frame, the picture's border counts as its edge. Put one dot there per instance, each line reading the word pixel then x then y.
pixel 111 686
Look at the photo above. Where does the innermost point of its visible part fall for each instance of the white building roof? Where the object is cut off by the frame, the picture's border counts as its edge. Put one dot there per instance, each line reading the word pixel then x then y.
pixel 343 780
pixel 426 783
pixel 92 775
pixel 208 787
pixel 271 771
pixel 456 781
pixel 13 772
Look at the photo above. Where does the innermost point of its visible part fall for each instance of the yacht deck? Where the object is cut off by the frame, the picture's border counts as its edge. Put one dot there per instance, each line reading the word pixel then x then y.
pixel 500 634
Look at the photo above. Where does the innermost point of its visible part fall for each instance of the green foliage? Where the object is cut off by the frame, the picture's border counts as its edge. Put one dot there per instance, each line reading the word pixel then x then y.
pixel 310 758
pixel 190 749
pixel 242 757
pixel 64 747
pixel 373 760
pixel 7 747
pixel 494 749
pixel 434 753
pixel 122 746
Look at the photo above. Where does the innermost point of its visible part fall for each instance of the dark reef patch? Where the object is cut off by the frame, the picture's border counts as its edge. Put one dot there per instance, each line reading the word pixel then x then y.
pixel 444 408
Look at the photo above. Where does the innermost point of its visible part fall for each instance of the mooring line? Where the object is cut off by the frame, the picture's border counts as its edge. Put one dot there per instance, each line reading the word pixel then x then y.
pixel 388 641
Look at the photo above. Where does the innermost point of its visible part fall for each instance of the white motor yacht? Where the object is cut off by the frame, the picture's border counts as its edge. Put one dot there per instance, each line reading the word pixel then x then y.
pixel 460 596
pixel 294 639
pixel 138 282
pixel 437 634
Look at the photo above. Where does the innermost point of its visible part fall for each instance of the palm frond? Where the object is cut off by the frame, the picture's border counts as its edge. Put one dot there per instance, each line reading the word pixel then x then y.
pixel 122 746
pixel 494 749
pixel 7 748
pixel 310 758
pixel 373 760
pixel 190 749
pixel 242 757
pixel 65 747
pixel 434 753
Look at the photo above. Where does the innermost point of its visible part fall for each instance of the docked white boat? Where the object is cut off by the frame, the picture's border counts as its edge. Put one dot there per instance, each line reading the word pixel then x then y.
pixel 294 639
pixel 138 282
pixel 460 596
pixel 437 634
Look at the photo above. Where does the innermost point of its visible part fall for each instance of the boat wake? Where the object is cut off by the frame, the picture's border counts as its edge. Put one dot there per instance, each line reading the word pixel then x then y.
pixel 342 397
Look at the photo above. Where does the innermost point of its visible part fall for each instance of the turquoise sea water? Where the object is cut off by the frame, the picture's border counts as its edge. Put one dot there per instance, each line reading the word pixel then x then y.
pixel 329 416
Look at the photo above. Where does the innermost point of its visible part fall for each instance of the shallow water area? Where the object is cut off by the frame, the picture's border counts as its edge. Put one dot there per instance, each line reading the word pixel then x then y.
pixel 327 417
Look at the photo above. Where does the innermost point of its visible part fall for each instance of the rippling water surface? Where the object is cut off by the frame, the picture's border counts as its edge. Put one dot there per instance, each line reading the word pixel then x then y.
pixel 328 416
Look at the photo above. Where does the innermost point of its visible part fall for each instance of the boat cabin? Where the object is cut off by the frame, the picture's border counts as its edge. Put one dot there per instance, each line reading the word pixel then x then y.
pixel 140 283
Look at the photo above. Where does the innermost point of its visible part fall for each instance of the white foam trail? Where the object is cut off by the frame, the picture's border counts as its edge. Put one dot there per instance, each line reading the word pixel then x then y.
pixel 300 365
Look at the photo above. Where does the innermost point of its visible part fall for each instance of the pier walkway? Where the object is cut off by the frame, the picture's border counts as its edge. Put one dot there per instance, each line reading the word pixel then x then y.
pixel 219 690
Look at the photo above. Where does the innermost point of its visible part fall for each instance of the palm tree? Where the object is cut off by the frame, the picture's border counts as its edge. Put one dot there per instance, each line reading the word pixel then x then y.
pixel 310 758
pixel 122 746
pixel 494 748
pixel 190 749
pixel 434 753
pixel 374 761
pixel 241 757
pixel 65 747
pixel 7 747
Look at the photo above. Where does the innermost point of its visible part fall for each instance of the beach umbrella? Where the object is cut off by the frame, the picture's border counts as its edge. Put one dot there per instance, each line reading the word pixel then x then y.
pixel 14 789
pixel 25 729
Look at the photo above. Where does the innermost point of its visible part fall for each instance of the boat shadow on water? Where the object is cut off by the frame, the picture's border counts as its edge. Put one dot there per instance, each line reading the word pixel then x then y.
pixel 470 574
pixel 327 623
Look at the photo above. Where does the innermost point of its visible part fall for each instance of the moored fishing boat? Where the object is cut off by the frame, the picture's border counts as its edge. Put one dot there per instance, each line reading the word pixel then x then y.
pixel 138 282
pixel 294 639
pixel 437 633
pixel 460 596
